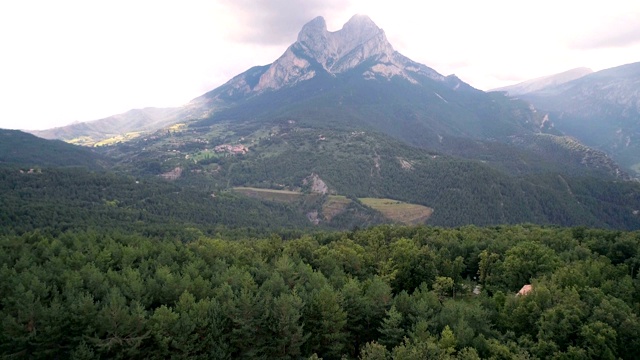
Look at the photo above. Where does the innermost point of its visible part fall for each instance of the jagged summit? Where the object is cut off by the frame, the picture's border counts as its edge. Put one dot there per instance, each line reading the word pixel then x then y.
pixel 357 30
pixel 317 26
pixel 359 39
pixel 359 42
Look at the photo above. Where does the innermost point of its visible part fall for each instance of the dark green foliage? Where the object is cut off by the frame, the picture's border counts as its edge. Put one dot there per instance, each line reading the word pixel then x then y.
pixel 369 164
pixel 61 199
pixel 84 295
pixel 22 149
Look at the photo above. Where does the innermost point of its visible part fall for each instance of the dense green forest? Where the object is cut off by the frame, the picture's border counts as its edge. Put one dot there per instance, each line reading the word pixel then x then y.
pixel 387 292
pixel 58 199
pixel 115 262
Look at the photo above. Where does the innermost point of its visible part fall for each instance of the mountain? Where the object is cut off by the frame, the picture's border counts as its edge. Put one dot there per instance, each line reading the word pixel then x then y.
pixel 26 150
pixel 344 112
pixel 353 77
pixel 540 83
pixel 318 52
pixel 350 69
pixel 602 110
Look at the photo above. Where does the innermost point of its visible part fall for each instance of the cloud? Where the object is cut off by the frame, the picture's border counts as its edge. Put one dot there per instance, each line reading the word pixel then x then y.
pixel 618 32
pixel 277 22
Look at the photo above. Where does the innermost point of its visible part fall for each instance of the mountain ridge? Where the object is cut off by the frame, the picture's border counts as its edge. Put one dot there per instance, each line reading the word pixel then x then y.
pixel 600 109
pixel 542 82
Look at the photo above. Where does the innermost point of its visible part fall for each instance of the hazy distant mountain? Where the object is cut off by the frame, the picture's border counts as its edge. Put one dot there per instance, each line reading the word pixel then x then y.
pixel 601 109
pixel 90 132
pixel 540 83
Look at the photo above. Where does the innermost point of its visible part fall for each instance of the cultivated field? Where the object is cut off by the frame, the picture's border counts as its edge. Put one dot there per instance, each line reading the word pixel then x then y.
pixel 399 211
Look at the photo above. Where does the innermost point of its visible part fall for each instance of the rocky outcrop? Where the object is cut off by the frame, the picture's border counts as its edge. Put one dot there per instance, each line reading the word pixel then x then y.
pixel 172 175
pixel 316 184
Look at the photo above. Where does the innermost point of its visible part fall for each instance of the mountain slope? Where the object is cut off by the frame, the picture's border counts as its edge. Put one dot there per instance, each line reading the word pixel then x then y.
pixel 368 164
pixel 23 149
pixel 601 109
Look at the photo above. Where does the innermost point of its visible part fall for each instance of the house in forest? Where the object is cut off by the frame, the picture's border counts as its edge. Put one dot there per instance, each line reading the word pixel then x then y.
pixel 525 290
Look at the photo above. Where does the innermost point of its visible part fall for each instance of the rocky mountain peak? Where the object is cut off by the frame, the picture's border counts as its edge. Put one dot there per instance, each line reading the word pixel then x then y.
pixel 317 50
pixel 361 27
pixel 358 29
pixel 358 40
pixel 313 31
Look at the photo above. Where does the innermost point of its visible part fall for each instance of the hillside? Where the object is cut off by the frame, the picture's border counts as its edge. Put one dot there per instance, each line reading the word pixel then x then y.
pixel 128 124
pixel 368 164
pixel 57 200
pixel 22 149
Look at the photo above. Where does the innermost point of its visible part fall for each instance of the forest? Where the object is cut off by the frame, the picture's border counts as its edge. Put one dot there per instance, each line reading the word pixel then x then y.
pixel 121 264
pixel 385 292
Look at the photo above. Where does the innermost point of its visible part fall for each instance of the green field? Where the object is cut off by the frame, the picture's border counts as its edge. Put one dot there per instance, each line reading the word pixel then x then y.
pixel 399 211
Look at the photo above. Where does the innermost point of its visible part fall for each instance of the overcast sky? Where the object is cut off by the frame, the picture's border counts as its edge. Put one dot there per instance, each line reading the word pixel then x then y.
pixel 65 61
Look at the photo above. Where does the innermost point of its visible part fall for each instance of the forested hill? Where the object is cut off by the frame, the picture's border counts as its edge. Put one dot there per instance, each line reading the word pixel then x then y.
pixel 59 199
pixel 20 148
pixel 507 187
pixel 382 293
